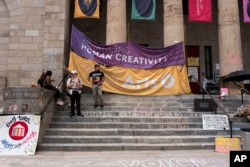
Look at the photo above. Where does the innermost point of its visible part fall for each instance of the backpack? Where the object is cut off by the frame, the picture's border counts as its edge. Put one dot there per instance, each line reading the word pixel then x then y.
pixel 69 90
pixel 40 81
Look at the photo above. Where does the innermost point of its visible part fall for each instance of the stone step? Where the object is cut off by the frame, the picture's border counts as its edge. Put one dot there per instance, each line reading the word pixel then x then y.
pixel 118 125
pixel 122 146
pixel 130 108
pixel 129 139
pixel 181 105
pixel 137 117
pixel 151 104
pixel 229 109
pixel 115 98
pixel 146 104
pixel 138 132
pixel 140 114
pixel 137 123
pixel 231 104
pixel 183 98
pixel 127 98
pixel 126 119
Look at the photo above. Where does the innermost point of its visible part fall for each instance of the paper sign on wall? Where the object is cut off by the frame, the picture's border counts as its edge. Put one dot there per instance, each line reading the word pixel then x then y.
pixel 193 61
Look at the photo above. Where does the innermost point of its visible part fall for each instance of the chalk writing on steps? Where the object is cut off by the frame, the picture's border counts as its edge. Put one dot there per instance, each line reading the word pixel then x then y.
pixel 174 162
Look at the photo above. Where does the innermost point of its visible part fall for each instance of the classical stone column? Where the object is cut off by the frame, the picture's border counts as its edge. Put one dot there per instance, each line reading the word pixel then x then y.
pixel 116 30
pixel 230 52
pixel 173 22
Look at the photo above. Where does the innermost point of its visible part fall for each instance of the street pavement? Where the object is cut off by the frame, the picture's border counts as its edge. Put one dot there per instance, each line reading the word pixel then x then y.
pixel 187 158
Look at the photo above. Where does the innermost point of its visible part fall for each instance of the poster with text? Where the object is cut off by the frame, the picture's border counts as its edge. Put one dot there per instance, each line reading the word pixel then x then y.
pixel 215 122
pixel 19 134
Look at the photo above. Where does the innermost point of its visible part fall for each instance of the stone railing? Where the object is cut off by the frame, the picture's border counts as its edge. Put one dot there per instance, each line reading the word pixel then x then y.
pixel 28 101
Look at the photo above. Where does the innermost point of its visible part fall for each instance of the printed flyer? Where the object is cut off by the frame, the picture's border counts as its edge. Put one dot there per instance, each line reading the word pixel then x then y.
pixel 19 134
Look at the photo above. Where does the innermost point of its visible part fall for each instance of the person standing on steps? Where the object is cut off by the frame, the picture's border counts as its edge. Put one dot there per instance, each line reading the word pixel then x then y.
pixel 96 78
pixel 74 86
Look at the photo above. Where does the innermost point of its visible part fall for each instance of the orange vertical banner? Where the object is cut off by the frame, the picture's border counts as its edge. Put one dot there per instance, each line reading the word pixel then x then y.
pixel 87 9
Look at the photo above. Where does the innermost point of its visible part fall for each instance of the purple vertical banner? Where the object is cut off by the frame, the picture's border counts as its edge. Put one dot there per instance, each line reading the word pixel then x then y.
pixel 246 11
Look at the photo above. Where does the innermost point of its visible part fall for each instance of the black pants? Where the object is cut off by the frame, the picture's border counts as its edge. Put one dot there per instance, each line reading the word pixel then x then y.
pixel 75 98
pixel 57 92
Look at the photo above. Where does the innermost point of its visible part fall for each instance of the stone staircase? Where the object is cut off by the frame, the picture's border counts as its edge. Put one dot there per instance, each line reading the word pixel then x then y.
pixel 136 123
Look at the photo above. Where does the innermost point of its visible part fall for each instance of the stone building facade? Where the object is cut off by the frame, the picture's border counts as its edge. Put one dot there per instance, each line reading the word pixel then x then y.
pixel 32 39
pixel 35 34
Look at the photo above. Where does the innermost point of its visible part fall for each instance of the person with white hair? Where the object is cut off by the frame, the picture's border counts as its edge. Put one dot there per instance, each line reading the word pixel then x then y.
pixel 74 86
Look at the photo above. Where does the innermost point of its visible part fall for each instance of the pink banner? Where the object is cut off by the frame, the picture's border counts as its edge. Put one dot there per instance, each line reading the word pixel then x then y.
pixel 200 10
pixel 246 11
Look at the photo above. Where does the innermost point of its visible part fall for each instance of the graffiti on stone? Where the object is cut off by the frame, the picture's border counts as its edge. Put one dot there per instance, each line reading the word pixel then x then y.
pixel 21 93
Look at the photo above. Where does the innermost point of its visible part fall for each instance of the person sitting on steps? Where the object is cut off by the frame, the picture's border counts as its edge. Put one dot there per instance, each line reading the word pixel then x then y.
pixel 47 84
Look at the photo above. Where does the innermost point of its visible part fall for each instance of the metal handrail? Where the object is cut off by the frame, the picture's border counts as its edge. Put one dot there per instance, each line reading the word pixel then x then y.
pixel 224 110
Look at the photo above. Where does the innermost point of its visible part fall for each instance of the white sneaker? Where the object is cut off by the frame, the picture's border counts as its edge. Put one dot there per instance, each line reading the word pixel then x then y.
pixel 60 102
pixel 70 104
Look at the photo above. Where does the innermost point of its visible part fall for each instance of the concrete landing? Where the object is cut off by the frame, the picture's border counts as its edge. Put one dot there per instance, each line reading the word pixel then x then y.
pixel 197 158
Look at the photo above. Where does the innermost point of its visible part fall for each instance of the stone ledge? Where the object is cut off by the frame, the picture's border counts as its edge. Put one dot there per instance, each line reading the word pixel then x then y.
pixel 25 100
pixel 28 100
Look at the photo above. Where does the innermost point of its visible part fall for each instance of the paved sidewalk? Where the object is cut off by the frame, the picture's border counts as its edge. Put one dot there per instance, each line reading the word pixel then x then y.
pixel 188 158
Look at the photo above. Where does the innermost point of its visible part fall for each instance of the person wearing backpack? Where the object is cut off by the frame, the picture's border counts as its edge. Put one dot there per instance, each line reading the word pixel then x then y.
pixel 74 86
pixel 47 84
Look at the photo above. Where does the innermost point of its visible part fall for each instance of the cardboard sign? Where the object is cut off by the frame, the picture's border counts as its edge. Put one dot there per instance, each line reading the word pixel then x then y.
pixel 215 122
pixel 19 134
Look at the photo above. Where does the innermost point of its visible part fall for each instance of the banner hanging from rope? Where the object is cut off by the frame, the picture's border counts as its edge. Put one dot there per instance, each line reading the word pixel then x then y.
pixel 127 54
pixel 139 82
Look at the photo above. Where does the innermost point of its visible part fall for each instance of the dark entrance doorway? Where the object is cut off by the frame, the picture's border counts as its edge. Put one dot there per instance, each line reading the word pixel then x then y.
pixel 193 65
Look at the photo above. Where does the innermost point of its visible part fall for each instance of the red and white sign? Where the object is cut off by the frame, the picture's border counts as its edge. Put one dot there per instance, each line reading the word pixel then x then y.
pixel 19 134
